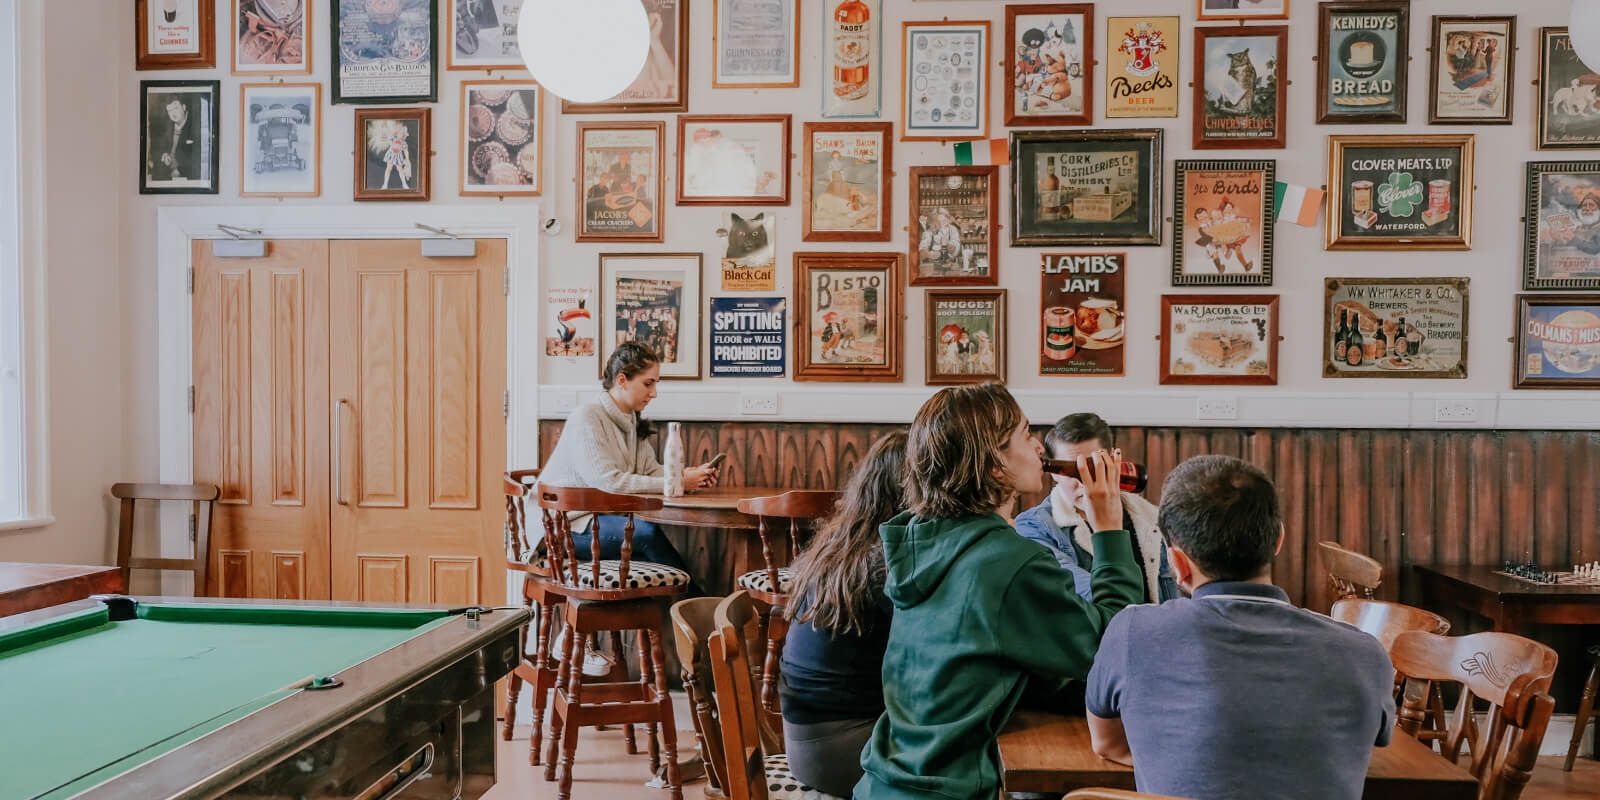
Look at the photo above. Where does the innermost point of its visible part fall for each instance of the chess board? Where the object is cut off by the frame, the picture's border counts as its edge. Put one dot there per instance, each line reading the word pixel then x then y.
pixel 1555 579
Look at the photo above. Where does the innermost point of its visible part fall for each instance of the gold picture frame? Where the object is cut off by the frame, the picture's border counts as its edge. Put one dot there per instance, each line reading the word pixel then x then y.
pixel 1360 198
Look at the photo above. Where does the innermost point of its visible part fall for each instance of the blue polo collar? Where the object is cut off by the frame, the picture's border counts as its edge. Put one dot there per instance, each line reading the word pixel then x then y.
pixel 1242 590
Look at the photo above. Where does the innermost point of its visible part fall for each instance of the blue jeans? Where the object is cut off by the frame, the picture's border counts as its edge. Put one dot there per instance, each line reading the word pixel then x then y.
pixel 649 544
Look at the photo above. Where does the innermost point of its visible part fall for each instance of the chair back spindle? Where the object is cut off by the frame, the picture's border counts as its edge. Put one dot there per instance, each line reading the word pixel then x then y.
pixel 557 504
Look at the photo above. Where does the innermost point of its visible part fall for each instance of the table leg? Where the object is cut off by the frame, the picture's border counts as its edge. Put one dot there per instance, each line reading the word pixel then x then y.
pixel 1507 619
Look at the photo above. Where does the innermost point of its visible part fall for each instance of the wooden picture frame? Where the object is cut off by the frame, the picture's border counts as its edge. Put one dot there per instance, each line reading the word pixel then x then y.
pixel 936 59
pixel 1368 61
pixel 606 208
pixel 1204 14
pixel 1359 201
pixel 678 362
pixel 202 30
pixel 771 79
pixel 1434 311
pixel 1252 324
pixel 396 59
pixel 171 155
pixel 695 157
pixel 852 88
pixel 1043 83
pixel 1086 215
pixel 627 102
pixel 832 204
pixel 490 35
pixel 501 148
pixel 1561 117
pixel 1221 123
pixel 380 150
pixel 1462 93
pixel 969 356
pixel 862 339
pixel 1557 342
pixel 972 259
pixel 1560 249
pixel 1214 204
pixel 278 140
pixel 276 42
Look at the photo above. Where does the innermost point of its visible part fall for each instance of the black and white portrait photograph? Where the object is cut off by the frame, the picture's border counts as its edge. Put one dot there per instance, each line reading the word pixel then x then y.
pixel 178 137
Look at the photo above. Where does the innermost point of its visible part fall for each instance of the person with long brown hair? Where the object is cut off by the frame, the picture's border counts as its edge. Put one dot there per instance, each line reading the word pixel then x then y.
pixel 981 614
pixel 832 678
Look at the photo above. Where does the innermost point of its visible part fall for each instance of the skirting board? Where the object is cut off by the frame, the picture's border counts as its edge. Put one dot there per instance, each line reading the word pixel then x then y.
pixel 1559 735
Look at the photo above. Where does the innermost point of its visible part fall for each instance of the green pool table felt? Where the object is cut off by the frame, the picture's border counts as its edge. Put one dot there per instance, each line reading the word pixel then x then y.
pixel 87 698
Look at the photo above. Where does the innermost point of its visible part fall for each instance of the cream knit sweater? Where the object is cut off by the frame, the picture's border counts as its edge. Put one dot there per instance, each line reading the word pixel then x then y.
pixel 600 448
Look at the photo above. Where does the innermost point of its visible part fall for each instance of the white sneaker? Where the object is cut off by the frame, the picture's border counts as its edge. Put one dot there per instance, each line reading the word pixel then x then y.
pixel 595 663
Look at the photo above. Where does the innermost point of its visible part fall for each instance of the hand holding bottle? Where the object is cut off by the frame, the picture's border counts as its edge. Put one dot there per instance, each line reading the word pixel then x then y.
pixel 1100 474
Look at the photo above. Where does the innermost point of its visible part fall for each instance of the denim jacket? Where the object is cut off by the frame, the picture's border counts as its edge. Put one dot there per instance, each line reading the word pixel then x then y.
pixel 1038 524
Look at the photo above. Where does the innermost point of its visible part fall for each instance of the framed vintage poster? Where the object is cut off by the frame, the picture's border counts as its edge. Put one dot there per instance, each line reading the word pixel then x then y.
pixel 954 235
pixel 749 337
pixel 1219 339
pixel 848 315
pixel 1561 224
pixel 1471 78
pixel 1568 111
pixel 502 138
pixel 750 260
pixel 620 182
pixel 845 181
pixel 280 139
pixel 482 34
pixel 395 147
pixel 1207 10
pixel 175 34
pixel 965 336
pixel 944 74
pixel 1400 192
pixel 1557 341
pixel 271 37
pixel 756 44
pixel 1082 313
pixel 1142 67
pixel 1049 57
pixel 570 324
pixel 729 158
pixel 178 123
pixel 655 299
pixel 385 51
pixel 1222 224
pixel 1241 85
pixel 1362 52
pixel 1395 328
pixel 1088 187
pixel 663 84
pixel 852 58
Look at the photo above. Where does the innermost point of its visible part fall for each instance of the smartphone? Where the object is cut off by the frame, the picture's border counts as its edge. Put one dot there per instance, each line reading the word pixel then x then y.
pixel 716 461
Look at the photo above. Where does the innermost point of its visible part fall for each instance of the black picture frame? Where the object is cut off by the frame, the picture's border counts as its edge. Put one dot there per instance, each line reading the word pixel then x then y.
pixel 1032 225
pixel 208 140
pixel 1259 273
pixel 1328 108
pixel 336 60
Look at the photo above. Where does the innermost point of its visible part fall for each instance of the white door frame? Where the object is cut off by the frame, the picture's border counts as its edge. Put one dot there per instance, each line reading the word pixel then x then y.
pixel 179 226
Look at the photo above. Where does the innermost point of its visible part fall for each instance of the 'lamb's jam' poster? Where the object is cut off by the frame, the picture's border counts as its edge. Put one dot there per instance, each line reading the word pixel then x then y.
pixel 1082 313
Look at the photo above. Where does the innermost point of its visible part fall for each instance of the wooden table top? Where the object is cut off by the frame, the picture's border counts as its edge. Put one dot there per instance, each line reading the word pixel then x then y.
pixel 1484 579
pixel 29 587
pixel 716 507
pixel 1042 752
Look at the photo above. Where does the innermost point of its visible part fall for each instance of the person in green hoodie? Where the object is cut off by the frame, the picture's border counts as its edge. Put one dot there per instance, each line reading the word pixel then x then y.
pixel 980 612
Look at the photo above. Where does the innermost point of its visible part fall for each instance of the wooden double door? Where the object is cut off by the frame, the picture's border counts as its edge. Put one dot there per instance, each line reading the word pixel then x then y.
pixel 349 402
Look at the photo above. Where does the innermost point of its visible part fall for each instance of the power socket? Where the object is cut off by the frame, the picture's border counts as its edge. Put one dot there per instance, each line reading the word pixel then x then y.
pixel 563 402
pixel 1455 411
pixel 758 402
pixel 1217 407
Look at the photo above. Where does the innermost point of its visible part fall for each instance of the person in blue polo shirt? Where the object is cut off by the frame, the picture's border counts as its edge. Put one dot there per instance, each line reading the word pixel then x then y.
pixel 1235 693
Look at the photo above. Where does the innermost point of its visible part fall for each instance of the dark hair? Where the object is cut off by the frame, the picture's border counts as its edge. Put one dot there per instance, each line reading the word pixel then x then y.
pixel 840 575
pixel 1075 428
pixel 630 359
pixel 1223 513
pixel 954 449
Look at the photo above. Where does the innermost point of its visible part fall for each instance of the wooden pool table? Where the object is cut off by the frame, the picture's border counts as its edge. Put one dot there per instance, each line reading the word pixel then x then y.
pixel 117 697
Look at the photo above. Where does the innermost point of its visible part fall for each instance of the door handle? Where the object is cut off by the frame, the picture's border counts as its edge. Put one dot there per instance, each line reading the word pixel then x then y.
pixel 338 451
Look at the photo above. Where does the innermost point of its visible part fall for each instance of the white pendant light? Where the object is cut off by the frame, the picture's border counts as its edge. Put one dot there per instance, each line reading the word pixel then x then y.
pixel 1584 28
pixel 584 51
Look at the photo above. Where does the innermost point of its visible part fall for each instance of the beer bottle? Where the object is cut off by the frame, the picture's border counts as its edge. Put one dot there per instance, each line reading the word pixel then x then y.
pixel 1134 477
pixel 1357 348
pixel 1341 338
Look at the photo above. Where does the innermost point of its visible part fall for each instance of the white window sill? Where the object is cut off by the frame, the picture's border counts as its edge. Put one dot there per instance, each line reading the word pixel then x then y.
pixel 25 523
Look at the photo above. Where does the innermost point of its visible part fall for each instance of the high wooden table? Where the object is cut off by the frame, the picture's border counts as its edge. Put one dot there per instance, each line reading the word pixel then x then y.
pixel 717 507
pixel 1042 752
pixel 29 587
pixel 1508 602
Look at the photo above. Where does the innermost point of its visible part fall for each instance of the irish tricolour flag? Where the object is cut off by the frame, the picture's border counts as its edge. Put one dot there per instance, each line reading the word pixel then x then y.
pixel 1297 204
pixel 993 151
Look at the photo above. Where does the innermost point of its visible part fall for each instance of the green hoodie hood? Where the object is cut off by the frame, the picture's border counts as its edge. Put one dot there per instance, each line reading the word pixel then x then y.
pixel 921 552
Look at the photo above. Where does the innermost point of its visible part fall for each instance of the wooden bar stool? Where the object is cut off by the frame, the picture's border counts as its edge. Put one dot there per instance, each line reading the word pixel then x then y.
pixel 1352 574
pixel 769 586
pixel 608 595
pixel 692 625
pixel 203 496
pixel 1586 712
pixel 1384 621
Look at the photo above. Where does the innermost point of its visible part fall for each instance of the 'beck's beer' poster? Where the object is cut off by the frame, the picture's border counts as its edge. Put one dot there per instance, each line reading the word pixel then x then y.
pixel 1081 303
pixel 1142 69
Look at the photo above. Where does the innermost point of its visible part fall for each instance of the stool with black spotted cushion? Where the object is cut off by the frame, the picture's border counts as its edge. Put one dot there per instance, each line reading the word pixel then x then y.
pixel 783 785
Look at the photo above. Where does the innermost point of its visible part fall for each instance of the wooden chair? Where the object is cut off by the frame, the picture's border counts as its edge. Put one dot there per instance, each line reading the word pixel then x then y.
pixel 609 595
pixel 1114 794
pixel 1586 712
pixel 1352 574
pixel 203 496
pixel 692 624
pixel 1510 673
pixel 750 768
pixel 1384 621
pixel 769 586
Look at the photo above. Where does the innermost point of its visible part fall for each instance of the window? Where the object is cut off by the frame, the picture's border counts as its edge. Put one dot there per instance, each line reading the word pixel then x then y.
pixel 13 480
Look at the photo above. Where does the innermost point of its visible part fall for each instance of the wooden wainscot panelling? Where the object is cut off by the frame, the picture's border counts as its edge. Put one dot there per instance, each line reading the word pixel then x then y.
pixel 288 390
pixel 381 375
pixel 382 578
pixel 453 580
pixel 233 573
pixel 288 575
pixel 235 344
pixel 453 390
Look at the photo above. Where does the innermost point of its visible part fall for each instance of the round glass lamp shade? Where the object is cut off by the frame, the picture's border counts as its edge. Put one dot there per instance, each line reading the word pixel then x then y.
pixel 1584 28
pixel 584 51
